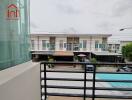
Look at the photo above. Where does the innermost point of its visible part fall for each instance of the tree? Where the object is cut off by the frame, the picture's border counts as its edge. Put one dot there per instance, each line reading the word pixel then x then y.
pixel 127 51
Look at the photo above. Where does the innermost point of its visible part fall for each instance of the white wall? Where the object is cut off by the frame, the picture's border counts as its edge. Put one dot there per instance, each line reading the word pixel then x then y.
pixel 57 43
pixel 35 42
pixel 40 43
pixel 21 82
pixel 88 43
pixel 90 48
pixel 91 43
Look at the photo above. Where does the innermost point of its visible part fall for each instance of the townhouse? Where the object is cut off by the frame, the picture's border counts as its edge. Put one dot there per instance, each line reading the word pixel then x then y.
pixel 65 46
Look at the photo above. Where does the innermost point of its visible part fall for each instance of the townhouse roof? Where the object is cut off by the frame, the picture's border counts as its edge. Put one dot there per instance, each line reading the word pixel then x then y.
pixel 63 53
pixel 126 41
pixel 54 53
pixel 113 42
pixel 68 34
pixel 106 54
pixel 43 52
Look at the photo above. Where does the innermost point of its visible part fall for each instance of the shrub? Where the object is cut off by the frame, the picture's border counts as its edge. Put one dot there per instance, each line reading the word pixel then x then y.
pixel 127 51
pixel 93 60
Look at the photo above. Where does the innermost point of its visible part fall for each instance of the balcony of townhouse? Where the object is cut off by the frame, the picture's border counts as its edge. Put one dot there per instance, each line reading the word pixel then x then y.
pixel 104 47
pixel 51 47
pixel 20 82
pixel 73 47
pixel 35 81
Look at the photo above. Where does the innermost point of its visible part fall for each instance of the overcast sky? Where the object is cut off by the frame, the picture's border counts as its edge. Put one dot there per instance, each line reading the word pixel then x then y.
pixel 82 16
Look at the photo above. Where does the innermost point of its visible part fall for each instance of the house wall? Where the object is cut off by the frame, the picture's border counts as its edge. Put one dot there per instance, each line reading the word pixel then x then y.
pixel 90 43
pixel 58 39
pixel 114 48
pixel 99 39
pixel 34 38
pixel 40 42
pixel 21 82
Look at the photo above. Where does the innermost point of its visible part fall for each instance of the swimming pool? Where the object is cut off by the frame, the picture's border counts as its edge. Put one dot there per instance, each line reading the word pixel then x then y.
pixel 117 77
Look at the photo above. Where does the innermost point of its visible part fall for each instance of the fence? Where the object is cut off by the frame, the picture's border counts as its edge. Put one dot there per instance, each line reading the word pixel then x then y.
pixel 45 86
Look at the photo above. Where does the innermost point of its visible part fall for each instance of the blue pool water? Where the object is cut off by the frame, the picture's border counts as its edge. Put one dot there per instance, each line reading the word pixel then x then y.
pixel 117 77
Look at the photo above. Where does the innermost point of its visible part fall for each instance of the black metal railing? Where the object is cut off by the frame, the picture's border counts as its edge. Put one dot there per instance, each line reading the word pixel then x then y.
pixel 93 88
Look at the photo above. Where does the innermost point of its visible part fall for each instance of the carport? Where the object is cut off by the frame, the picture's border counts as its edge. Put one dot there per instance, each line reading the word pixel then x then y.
pixel 63 56
pixel 106 56
pixel 41 55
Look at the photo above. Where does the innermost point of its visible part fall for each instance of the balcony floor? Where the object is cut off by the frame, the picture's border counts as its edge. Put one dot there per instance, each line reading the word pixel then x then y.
pixel 76 98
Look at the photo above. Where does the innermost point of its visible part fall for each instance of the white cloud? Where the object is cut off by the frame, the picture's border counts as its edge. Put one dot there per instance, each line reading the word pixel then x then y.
pixel 84 16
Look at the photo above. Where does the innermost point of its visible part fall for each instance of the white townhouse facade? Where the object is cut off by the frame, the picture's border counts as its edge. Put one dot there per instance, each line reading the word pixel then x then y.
pixel 124 42
pixel 114 46
pixel 67 45
pixel 69 42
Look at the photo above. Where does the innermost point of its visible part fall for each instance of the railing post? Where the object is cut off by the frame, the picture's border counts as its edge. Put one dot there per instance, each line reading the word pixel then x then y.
pixel 84 96
pixel 45 82
pixel 94 79
pixel 40 83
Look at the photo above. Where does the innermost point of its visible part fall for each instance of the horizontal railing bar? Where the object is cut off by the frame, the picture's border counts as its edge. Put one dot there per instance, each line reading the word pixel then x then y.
pixel 63 87
pixel 63 71
pixel 113 89
pixel 89 96
pixel 113 96
pixel 113 72
pixel 64 79
pixel 90 88
pixel 65 94
pixel 97 80
pixel 86 63
pixel 110 80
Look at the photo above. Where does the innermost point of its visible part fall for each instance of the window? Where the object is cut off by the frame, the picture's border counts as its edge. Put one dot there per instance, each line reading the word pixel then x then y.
pixel 96 44
pixel 100 45
pixel 61 44
pixel 113 46
pixel 103 47
pixel 117 47
pixel 104 44
pixel 110 46
pixel 80 45
pixel 32 44
pixel 65 45
pixel 84 44
pixel 43 44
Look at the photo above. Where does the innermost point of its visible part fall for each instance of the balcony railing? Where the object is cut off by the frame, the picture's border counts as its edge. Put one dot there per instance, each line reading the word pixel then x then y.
pixel 66 46
pixel 52 46
pixel 72 47
pixel 84 72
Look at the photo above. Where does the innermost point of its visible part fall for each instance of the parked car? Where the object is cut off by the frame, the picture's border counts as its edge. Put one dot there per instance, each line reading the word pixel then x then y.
pixel 124 69
pixel 89 67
